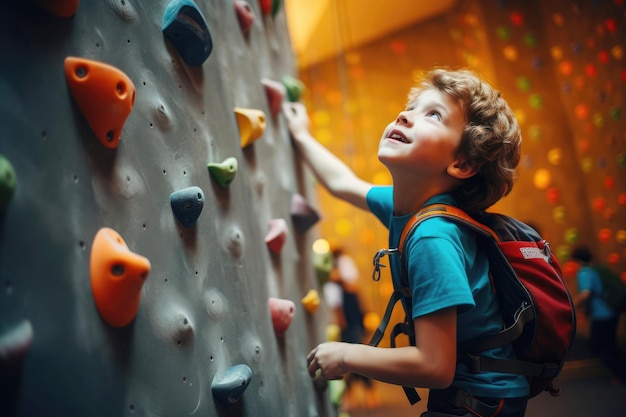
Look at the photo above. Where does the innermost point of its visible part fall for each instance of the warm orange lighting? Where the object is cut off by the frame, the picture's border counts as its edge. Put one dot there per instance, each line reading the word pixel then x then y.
pixel 321 29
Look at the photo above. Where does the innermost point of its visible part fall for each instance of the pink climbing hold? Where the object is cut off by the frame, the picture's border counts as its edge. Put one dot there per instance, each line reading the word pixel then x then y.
pixel 276 93
pixel 282 312
pixel 14 345
pixel 277 235
pixel 302 214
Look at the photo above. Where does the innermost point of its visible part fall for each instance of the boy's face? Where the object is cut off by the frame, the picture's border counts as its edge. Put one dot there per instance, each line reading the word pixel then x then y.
pixel 423 137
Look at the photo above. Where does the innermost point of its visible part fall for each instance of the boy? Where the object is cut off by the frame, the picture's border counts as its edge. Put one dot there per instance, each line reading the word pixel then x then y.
pixel 457 142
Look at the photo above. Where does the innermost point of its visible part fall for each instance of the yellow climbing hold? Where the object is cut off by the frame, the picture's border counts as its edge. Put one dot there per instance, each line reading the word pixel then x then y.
pixel 311 301
pixel 251 124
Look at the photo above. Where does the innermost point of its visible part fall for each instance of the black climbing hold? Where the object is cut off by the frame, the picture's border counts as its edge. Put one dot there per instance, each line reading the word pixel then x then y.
pixel 231 387
pixel 185 27
pixel 187 205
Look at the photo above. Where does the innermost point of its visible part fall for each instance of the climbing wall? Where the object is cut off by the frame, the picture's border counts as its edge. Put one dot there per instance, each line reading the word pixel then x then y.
pixel 155 228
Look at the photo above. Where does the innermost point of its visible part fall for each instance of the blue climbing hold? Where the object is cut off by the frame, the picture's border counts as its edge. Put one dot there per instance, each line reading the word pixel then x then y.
pixel 231 387
pixel 187 205
pixel 185 27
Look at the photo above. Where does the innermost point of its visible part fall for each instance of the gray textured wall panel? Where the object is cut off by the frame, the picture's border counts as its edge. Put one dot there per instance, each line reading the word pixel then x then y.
pixel 204 305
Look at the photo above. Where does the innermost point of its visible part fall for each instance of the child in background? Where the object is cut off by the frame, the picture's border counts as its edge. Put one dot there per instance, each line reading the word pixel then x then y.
pixel 604 320
pixel 457 142
pixel 342 298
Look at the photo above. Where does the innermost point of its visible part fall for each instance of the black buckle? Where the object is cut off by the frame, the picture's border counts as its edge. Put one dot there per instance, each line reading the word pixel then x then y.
pixel 473 362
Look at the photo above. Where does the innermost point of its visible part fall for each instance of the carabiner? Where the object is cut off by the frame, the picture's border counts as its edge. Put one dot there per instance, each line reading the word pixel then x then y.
pixel 377 265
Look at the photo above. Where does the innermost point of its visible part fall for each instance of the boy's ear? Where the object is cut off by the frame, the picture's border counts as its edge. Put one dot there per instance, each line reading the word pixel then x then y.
pixel 462 170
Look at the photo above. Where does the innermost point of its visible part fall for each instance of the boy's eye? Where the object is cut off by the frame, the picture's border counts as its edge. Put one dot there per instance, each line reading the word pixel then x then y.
pixel 434 115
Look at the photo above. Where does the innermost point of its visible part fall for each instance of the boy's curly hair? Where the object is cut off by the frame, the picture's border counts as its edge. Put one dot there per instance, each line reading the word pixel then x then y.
pixel 491 140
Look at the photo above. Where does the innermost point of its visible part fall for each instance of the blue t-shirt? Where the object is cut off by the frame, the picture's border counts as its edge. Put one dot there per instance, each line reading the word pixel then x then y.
pixel 588 279
pixel 446 269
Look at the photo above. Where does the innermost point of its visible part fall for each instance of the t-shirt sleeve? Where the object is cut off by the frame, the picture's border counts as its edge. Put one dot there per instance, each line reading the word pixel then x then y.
pixel 380 202
pixel 437 268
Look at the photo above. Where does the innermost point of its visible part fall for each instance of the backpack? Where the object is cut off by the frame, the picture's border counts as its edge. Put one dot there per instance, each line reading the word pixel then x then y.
pixel 613 288
pixel 536 306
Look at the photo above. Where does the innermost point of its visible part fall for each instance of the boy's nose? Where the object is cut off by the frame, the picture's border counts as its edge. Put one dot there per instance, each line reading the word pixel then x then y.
pixel 403 119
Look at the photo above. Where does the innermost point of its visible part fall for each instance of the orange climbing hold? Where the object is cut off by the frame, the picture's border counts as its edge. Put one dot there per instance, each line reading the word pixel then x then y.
pixel 251 125
pixel 105 96
pixel 117 276
pixel 60 8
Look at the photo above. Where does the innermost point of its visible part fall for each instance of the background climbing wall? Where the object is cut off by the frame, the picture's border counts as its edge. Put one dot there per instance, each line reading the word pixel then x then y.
pixel 201 340
pixel 561 67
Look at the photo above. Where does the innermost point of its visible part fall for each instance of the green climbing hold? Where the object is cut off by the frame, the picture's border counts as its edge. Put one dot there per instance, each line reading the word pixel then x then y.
pixel 294 88
pixel 7 182
pixel 276 7
pixel 223 173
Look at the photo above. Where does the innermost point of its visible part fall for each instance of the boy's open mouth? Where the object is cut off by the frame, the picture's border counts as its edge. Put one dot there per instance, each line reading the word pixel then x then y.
pixel 397 135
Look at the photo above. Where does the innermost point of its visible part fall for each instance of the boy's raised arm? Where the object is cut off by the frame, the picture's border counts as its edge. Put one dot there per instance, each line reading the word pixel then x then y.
pixel 330 171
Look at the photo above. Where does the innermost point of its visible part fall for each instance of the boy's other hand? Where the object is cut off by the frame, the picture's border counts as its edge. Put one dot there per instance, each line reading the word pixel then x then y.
pixel 297 118
pixel 328 359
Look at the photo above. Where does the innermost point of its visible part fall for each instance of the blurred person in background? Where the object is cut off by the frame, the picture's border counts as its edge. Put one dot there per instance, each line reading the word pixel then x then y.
pixel 603 318
pixel 341 296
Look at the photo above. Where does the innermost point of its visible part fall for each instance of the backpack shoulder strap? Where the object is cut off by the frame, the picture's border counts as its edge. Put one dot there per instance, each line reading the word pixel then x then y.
pixel 525 313
pixel 445 210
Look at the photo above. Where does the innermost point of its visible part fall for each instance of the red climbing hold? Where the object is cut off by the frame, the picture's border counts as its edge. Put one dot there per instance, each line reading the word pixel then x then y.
pixel 277 235
pixel 117 276
pixel 60 8
pixel 266 6
pixel 245 15
pixel 105 96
